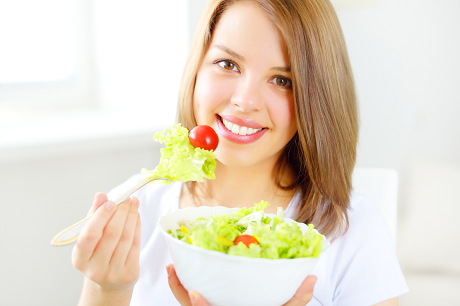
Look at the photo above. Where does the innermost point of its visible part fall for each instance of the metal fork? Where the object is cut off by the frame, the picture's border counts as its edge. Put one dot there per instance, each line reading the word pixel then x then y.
pixel 70 234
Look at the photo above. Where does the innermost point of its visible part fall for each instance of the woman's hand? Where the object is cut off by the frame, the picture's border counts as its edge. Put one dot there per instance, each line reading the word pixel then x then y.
pixel 193 298
pixel 107 249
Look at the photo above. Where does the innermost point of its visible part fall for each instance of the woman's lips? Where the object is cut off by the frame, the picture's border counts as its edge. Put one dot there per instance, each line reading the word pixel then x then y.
pixel 226 133
pixel 241 122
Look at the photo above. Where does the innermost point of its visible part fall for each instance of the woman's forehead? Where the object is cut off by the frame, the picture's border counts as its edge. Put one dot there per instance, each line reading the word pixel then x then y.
pixel 245 29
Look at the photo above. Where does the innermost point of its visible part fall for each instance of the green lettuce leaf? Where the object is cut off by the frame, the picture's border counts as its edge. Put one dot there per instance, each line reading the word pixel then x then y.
pixel 243 212
pixel 180 161
pixel 241 249
pixel 209 235
pixel 287 241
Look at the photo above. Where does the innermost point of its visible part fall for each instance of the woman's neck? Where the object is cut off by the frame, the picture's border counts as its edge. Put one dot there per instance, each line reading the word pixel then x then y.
pixel 242 187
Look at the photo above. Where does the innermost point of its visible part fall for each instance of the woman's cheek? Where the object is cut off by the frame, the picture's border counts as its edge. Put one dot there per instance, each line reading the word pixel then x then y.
pixel 282 110
pixel 203 97
pixel 212 94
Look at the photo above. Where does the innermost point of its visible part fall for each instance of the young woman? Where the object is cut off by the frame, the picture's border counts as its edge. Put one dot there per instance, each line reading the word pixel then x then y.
pixel 272 77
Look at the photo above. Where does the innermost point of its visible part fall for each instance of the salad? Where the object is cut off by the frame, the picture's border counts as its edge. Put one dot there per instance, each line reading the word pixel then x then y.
pixel 181 161
pixel 249 232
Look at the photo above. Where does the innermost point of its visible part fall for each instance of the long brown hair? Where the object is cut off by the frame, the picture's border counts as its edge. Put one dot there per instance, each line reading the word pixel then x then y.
pixel 323 151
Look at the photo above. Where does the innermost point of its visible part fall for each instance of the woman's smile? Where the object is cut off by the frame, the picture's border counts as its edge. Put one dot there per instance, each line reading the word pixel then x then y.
pixel 239 130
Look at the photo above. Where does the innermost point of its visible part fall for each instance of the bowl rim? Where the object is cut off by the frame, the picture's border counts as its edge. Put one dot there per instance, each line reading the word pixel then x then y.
pixel 236 257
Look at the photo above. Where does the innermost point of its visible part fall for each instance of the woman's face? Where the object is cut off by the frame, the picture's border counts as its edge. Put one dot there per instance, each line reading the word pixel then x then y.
pixel 243 88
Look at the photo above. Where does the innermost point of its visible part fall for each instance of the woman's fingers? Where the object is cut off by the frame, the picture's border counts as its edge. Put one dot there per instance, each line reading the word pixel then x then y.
pixel 304 294
pixel 88 238
pixel 126 240
pixel 92 233
pixel 99 199
pixel 176 287
pixel 106 242
pixel 197 299
pixel 112 233
pixel 132 260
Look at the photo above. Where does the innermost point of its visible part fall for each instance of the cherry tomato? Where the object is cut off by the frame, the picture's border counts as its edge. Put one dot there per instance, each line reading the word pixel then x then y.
pixel 204 137
pixel 246 239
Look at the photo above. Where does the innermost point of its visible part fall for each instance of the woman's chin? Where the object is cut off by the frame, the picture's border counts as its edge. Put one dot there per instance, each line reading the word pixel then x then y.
pixel 238 159
pixel 233 161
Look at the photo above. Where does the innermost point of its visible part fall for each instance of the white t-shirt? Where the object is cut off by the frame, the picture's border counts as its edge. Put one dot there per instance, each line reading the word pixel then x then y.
pixel 360 268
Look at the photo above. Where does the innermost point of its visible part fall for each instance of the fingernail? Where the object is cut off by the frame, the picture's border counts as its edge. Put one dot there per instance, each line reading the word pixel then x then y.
pixel 109 205
pixel 134 201
pixel 168 269
pixel 191 294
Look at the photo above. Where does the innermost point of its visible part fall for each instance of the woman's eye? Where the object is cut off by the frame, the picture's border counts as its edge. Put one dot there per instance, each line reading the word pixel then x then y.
pixel 281 81
pixel 227 65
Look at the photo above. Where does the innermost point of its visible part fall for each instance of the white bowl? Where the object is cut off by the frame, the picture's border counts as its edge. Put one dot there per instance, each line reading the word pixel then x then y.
pixel 226 280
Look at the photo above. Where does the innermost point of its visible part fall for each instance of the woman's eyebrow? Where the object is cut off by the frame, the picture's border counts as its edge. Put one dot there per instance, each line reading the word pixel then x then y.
pixel 241 58
pixel 229 51
pixel 281 69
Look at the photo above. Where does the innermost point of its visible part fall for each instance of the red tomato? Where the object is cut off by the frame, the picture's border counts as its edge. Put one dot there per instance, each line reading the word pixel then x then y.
pixel 246 239
pixel 203 136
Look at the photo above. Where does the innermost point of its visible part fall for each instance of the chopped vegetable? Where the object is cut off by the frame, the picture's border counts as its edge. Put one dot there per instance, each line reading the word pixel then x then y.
pixel 204 136
pixel 180 161
pixel 248 232
pixel 246 239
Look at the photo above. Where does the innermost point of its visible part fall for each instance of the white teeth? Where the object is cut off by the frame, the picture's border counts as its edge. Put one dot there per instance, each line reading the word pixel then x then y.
pixel 240 130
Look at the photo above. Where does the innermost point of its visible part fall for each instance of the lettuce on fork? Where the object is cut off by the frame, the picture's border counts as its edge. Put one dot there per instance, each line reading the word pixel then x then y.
pixel 180 161
pixel 276 238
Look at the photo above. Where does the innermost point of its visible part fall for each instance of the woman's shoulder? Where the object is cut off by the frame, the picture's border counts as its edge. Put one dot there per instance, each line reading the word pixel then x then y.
pixel 361 265
pixel 367 228
pixel 364 215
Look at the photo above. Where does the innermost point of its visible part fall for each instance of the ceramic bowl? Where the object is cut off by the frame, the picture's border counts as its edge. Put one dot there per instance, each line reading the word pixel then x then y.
pixel 226 280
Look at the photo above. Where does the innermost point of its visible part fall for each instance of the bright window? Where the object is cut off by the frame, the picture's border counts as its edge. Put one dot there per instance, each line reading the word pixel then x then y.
pixel 45 54
pixel 37 41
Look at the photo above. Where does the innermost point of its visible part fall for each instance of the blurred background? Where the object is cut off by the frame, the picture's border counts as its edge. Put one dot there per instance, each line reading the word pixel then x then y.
pixel 84 84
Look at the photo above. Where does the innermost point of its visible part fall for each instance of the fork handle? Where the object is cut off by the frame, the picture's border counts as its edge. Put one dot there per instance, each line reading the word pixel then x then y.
pixel 70 234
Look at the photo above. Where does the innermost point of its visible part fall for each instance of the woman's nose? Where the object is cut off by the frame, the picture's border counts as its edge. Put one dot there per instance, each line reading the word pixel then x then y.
pixel 248 96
